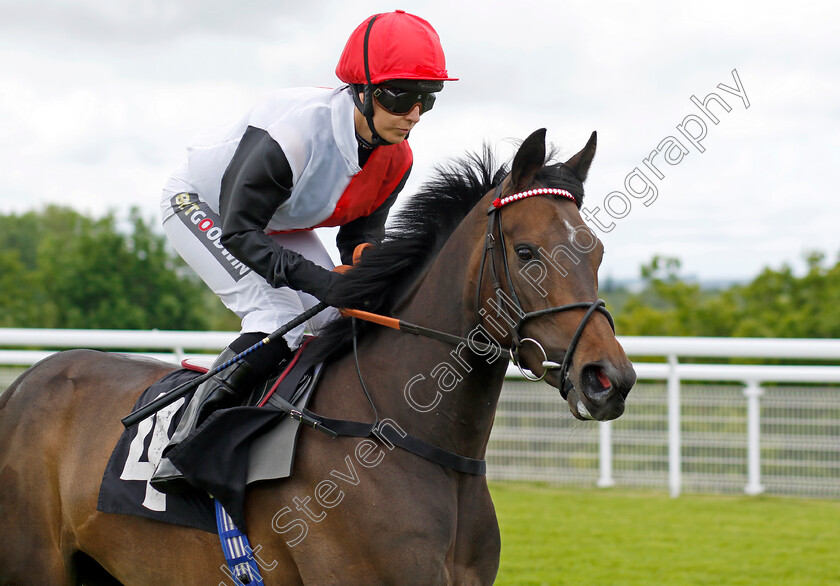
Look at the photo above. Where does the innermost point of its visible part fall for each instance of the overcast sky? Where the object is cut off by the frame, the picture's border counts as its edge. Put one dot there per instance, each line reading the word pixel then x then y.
pixel 99 98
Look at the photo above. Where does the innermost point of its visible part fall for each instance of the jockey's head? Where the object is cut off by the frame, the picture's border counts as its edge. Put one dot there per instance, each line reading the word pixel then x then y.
pixel 395 61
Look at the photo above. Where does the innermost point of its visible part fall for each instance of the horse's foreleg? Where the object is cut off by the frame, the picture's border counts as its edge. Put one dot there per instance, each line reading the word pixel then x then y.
pixel 31 553
pixel 478 543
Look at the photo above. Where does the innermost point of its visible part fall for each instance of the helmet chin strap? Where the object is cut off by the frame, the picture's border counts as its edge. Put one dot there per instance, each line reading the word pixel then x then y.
pixel 366 108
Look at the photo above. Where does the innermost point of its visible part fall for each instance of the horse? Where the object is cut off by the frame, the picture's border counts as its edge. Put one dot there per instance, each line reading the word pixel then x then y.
pixel 355 511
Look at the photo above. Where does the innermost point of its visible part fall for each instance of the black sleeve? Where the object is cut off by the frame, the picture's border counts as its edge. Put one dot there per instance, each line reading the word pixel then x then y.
pixel 257 181
pixel 367 228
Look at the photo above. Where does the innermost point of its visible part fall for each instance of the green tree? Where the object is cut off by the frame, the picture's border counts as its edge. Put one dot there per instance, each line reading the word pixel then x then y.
pixel 776 303
pixel 669 306
pixel 61 269
pixel 779 304
pixel 16 284
pixel 22 234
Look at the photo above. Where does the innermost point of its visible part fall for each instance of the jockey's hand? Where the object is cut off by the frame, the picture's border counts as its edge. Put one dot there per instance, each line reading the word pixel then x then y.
pixel 327 286
pixel 333 295
pixel 337 293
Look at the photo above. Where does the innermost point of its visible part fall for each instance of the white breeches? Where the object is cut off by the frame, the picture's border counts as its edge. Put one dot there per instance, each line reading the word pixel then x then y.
pixel 195 230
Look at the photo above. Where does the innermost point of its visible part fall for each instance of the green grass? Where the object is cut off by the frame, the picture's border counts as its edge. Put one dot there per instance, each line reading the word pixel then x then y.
pixel 595 536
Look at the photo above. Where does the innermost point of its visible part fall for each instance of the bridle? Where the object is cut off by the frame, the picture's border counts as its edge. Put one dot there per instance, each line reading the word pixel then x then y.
pixel 425 449
pixel 494 223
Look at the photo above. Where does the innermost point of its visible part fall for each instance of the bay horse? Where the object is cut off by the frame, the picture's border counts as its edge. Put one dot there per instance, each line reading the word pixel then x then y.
pixel 354 511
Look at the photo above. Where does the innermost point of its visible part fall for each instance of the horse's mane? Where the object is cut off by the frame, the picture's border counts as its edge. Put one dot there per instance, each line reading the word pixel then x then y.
pixel 414 237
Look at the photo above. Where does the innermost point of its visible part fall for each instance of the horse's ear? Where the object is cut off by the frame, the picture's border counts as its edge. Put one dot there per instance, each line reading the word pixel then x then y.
pixel 529 159
pixel 581 161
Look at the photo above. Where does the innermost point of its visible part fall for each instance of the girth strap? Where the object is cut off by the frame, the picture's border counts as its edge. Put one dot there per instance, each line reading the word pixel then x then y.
pixel 239 556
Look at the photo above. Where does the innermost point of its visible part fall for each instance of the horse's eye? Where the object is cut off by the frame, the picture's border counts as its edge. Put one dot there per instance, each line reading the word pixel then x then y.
pixel 524 253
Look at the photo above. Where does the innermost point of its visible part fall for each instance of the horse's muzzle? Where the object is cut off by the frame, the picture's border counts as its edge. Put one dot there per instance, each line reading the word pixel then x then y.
pixel 599 390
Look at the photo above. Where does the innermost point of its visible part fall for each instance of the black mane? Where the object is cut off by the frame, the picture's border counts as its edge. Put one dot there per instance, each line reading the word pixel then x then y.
pixel 415 235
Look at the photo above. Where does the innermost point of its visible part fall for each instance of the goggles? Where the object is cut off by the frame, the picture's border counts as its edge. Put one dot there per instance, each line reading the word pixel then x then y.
pixel 400 102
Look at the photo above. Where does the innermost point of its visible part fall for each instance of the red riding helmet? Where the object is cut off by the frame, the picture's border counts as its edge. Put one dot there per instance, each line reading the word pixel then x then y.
pixel 392 45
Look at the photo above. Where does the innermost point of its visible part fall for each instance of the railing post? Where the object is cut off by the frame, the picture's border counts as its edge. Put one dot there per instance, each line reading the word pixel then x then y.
pixel 605 455
pixel 674 437
pixel 753 393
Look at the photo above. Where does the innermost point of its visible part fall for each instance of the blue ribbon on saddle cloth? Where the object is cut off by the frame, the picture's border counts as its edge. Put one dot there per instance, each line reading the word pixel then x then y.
pixel 239 556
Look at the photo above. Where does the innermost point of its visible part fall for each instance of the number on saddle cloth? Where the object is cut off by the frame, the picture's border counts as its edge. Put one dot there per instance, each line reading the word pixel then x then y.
pixel 125 487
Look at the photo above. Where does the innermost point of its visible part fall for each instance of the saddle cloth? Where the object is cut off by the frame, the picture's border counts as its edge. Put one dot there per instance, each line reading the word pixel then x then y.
pixel 229 450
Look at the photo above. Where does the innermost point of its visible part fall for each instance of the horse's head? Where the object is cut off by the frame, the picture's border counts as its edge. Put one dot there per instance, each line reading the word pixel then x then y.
pixel 541 269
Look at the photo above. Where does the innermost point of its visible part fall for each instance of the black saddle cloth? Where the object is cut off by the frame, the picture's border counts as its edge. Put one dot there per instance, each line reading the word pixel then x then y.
pixel 214 458
pixel 125 487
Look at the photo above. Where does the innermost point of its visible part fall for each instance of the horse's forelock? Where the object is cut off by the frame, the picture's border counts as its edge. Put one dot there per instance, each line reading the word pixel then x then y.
pixel 560 176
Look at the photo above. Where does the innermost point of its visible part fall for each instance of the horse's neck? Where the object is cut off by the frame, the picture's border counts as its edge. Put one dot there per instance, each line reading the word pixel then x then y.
pixel 442 393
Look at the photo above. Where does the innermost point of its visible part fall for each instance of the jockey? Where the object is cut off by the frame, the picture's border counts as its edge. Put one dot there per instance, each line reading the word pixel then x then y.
pixel 241 209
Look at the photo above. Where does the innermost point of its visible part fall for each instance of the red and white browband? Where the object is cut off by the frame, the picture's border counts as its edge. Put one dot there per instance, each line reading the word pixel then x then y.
pixel 503 201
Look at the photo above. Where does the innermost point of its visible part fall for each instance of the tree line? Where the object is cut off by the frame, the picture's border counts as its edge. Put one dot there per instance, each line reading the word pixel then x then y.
pixel 775 304
pixel 62 269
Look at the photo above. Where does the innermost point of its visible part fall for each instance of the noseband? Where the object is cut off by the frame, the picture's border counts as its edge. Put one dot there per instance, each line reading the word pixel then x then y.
pixel 494 219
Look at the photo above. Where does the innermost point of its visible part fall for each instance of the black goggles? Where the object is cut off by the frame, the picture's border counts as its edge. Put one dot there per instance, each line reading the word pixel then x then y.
pixel 400 102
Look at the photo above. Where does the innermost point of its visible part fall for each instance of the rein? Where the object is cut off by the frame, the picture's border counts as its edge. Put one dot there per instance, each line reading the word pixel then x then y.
pixel 494 219
pixel 410 328
pixel 382 428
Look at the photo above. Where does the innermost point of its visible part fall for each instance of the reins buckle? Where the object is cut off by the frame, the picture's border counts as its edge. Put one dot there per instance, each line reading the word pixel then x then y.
pixel 489 242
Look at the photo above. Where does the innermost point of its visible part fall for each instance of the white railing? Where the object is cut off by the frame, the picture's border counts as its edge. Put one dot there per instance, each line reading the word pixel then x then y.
pixel 751 376
pixel 521 420
pixel 14 341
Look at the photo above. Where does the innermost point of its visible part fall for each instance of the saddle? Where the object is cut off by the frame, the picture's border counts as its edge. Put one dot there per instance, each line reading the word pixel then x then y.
pixel 231 449
pixel 287 381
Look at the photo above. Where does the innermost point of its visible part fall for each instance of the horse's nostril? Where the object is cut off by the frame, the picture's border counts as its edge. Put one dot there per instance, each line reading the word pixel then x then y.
pixel 597 385
pixel 603 378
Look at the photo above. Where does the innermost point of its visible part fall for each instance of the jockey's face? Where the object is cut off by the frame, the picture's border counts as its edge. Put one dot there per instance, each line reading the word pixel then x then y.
pixel 391 127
